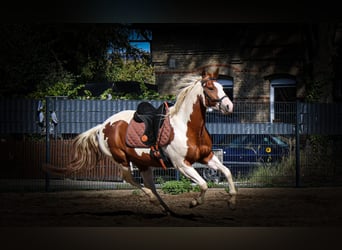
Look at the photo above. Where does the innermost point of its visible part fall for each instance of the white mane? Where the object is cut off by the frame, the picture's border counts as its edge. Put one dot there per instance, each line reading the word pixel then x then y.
pixel 187 97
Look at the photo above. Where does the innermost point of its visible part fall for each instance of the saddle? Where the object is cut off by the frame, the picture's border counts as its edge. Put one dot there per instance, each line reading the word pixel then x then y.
pixel 150 128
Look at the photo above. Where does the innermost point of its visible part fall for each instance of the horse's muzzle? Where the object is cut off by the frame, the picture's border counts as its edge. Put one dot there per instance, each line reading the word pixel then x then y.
pixel 226 106
pixel 226 110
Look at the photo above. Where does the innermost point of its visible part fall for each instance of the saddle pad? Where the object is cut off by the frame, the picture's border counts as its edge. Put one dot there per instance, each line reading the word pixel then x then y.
pixel 134 133
pixel 136 130
pixel 165 134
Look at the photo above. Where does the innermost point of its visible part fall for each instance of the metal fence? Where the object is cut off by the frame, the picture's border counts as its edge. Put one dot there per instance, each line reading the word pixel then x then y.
pixel 302 147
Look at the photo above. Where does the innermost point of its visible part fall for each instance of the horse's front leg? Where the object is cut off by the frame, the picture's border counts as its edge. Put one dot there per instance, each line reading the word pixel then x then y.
pixel 200 199
pixel 215 164
pixel 189 172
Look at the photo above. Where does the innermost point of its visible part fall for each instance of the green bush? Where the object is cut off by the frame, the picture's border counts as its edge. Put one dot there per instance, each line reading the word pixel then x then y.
pixel 274 173
pixel 178 187
pixel 184 185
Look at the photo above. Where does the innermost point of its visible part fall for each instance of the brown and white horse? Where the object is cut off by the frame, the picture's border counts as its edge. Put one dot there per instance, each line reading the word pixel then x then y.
pixel 191 142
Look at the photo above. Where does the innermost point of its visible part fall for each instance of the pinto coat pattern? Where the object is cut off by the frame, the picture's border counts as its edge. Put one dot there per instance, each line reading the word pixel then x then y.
pixel 191 142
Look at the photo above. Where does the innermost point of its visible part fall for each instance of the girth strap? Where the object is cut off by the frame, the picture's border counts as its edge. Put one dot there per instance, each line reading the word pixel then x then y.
pixel 158 154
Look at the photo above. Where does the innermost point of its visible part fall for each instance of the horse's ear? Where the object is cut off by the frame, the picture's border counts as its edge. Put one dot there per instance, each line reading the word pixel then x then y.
pixel 216 73
pixel 204 73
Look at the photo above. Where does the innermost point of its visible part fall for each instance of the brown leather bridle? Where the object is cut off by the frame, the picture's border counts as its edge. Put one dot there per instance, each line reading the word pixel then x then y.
pixel 203 82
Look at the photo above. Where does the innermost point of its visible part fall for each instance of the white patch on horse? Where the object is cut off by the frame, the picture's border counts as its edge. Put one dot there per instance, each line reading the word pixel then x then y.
pixel 103 144
pixel 178 148
pixel 226 102
pixel 125 115
pixel 140 151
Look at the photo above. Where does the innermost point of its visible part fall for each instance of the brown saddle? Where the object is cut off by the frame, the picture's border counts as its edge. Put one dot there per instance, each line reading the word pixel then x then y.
pixel 149 127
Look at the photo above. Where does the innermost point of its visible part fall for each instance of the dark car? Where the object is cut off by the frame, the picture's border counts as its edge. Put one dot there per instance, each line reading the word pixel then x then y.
pixel 253 148
pixel 240 153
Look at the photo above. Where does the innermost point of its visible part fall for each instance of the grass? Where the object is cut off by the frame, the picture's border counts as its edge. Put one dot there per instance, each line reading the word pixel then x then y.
pixel 314 166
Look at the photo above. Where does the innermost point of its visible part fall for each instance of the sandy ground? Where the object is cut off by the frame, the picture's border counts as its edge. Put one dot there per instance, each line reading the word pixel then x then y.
pixel 256 207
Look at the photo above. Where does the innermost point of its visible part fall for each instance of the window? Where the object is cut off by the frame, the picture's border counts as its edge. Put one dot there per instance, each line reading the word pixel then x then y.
pixel 141 40
pixel 282 99
pixel 227 83
pixel 138 39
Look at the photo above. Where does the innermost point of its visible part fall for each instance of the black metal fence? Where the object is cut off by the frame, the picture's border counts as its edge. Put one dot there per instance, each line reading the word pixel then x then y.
pixel 302 147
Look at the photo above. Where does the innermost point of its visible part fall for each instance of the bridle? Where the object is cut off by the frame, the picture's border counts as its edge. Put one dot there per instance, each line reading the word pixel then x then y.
pixel 219 101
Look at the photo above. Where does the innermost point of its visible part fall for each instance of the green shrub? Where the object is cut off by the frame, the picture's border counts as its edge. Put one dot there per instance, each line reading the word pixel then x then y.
pixel 184 185
pixel 136 192
pixel 160 180
pixel 274 174
pixel 177 187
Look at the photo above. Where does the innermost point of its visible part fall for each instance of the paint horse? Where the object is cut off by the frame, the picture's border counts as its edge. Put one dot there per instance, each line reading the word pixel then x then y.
pixel 190 142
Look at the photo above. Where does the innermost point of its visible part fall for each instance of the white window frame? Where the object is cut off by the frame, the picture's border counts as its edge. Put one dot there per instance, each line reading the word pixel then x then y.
pixel 277 83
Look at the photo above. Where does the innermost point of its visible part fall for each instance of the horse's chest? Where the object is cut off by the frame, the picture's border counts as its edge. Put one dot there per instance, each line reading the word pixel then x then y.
pixel 199 146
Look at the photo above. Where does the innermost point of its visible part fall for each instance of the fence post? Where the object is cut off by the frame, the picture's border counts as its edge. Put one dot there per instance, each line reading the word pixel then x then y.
pixel 47 141
pixel 297 144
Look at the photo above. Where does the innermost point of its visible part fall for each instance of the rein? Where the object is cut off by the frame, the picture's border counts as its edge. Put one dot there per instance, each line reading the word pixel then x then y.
pixel 214 100
pixel 207 96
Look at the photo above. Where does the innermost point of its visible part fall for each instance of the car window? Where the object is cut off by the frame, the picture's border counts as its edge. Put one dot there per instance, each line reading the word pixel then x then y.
pixel 243 140
pixel 239 140
pixel 279 141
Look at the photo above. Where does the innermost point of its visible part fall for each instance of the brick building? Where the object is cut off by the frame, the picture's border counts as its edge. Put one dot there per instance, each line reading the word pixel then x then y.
pixel 263 62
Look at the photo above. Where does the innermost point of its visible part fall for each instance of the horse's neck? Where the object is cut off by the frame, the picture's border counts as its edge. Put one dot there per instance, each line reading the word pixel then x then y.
pixel 196 123
pixel 192 113
pixel 191 110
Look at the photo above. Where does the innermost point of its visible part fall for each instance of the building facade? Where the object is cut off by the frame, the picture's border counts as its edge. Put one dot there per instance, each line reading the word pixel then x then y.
pixel 263 62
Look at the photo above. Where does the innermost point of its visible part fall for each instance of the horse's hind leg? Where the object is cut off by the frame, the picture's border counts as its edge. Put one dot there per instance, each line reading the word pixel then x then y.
pixel 127 176
pixel 147 176
pixel 148 188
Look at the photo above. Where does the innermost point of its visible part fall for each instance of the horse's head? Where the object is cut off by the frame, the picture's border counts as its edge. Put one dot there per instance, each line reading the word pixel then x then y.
pixel 214 95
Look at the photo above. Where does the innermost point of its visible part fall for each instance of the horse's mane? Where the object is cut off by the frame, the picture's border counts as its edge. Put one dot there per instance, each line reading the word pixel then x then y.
pixel 181 97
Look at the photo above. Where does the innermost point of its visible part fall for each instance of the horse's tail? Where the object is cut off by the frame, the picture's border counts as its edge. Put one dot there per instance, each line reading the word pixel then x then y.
pixel 86 154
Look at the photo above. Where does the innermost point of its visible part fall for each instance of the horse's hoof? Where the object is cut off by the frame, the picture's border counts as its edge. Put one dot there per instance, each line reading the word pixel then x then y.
pixel 168 212
pixel 193 203
pixel 232 205
pixel 155 202
pixel 232 202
